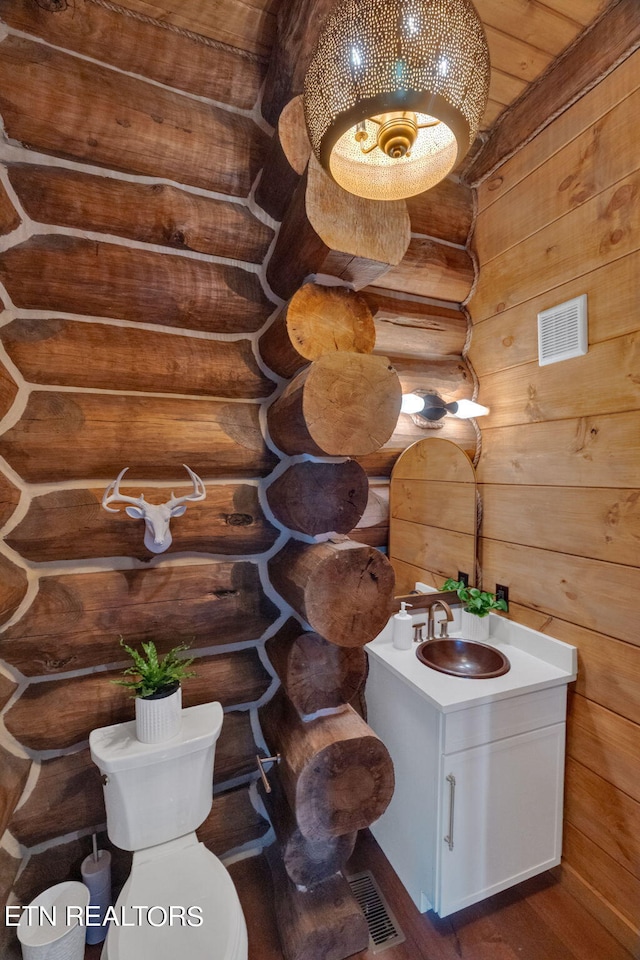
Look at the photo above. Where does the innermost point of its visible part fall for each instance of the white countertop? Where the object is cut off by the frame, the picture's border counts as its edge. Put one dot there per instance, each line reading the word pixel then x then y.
pixel 537 661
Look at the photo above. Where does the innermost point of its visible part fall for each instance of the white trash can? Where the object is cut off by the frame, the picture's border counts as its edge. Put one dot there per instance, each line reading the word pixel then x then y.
pixel 52 929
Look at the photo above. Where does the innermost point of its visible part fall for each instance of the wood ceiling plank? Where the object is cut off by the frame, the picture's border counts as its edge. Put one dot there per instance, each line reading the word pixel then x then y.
pixel 514 56
pixel 534 23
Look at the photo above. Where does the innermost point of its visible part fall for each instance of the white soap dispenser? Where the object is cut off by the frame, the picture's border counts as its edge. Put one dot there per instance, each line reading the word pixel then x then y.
pixel 402 628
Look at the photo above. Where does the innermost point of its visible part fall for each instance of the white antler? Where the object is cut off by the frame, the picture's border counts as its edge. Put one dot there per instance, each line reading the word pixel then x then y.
pixel 157 516
pixel 199 492
pixel 112 495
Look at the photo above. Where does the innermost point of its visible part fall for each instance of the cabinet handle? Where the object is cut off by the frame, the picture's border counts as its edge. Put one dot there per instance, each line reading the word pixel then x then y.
pixel 451 780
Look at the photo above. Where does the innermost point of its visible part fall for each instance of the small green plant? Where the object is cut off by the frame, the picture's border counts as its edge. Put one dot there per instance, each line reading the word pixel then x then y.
pixel 478 602
pixel 155 675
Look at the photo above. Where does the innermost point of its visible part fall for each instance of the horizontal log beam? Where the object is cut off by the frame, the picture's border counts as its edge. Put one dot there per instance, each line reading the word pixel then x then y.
pixel 72 525
pixel 329 231
pixel 316 498
pixel 9 216
pixel 9 497
pixel 373 526
pixel 307 862
pixel 317 320
pixel 342 405
pixel 337 775
pixel 285 162
pixel 143 47
pixel 13 587
pixel 323 922
pixel 316 674
pixel 151 213
pixel 136 127
pixel 445 211
pixel 431 269
pixel 342 590
pixel 68 796
pixel 75 619
pixel 100 434
pixel 8 390
pixel 15 771
pixel 598 50
pixel 60 713
pixel 413 328
pixel 232 823
pixel 126 358
pixel 67 274
pixel 298 27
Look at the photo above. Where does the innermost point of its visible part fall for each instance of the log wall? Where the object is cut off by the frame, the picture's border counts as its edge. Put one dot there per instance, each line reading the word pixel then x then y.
pixel 132 300
pixel 559 470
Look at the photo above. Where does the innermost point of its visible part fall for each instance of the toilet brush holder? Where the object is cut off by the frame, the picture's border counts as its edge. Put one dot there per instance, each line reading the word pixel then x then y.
pixel 96 876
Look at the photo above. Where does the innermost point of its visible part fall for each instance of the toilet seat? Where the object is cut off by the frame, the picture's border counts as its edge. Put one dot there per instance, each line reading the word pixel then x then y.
pixel 179 874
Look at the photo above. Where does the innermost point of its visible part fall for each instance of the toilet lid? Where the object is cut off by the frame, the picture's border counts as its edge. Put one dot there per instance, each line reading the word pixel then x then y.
pixel 181 905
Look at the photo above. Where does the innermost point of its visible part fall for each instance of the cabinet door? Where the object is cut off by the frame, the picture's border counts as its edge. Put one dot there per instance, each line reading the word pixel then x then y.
pixel 500 815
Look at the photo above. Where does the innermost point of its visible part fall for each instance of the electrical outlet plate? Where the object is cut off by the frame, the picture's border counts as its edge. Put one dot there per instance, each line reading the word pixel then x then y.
pixel 502 593
pixel 464 577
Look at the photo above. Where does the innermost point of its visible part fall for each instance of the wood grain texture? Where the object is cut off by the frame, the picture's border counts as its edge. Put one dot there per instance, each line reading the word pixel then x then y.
pixel 109 280
pixel 307 862
pixel 342 590
pixel 100 432
pixel 71 524
pixel 612 39
pixel 68 794
pixel 8 390
pixel 232 823
pixel 430 269
pixel 9 498
pixel 590 451
pixel 448 376
pixel 508 339
pixel 84 703
pixel 285 162
pixel 605 743
pixel 143 48
pixel 589 164
pixel 337 775
pixel 316 321
pixel 373 526
pixel 411 328
pixel 380 464
pixel 15 771
pixel 323 922
pixel 598 522
pixel 445 211
pixel 13 586
pixel 341 405
pixel 315 498
pixel 126 358
pixel 151 213
pixel 444 552
pixel 135 127
pixel 9 216
pixel 298 27
pixel 75 619
pixel 316 674
pixel 327 230
pixel 7 689
pixel 566 586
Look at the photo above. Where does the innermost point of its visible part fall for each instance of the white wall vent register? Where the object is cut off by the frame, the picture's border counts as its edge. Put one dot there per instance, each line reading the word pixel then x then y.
pixel 562 331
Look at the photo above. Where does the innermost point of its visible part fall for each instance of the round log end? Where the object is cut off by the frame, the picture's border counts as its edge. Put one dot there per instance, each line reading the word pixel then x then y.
pixel 315 498
pixel 348 785
pixel 322 675
pixel 323 320
pixel 351 403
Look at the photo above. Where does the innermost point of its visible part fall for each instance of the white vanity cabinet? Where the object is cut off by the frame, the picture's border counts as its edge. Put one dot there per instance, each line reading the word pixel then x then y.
pixel 479 785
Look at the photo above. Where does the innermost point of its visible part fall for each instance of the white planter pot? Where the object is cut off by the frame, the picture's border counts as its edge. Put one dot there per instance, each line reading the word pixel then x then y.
pixel 158 718
pixel 475 628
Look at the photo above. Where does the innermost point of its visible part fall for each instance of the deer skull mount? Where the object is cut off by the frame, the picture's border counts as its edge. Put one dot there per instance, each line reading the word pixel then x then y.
pixel 156 516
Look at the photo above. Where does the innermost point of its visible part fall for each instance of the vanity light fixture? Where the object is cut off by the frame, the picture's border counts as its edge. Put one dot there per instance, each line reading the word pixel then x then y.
pixel 431 406
pixel 395 93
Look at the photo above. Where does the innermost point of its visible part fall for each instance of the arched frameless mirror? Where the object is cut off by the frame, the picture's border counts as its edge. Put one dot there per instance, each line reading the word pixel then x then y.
pixel 433 514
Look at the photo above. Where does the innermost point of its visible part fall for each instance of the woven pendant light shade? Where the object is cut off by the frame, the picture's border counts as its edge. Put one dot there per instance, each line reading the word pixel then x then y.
pixel 411 76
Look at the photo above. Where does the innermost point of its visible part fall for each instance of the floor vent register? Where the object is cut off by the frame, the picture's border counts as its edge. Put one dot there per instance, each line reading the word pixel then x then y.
pixel 384 930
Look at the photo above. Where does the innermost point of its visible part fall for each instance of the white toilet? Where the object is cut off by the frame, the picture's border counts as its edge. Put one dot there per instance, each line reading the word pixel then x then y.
pixel 156 795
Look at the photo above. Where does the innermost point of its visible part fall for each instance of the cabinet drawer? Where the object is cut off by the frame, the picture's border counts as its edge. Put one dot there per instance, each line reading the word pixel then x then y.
pixel 504 718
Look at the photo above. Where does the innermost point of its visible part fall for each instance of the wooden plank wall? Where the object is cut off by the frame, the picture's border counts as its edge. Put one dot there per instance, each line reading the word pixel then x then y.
pixel 559 471
pixel 131 299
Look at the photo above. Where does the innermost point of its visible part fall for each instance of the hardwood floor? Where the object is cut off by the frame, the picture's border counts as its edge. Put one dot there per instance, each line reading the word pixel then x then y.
pixel 536 920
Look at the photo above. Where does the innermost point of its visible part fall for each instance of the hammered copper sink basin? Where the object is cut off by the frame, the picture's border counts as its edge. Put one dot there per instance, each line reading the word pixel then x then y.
pixel 463 658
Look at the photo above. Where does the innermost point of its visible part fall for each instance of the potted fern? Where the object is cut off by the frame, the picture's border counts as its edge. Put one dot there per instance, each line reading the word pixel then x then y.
pixel 478 604
pixel 156 686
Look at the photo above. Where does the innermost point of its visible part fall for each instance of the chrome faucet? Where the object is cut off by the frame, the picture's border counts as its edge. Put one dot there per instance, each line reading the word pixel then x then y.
pixel 431 622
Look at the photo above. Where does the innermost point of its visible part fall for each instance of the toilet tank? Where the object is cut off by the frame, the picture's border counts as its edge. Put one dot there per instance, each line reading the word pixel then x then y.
pixel 155 792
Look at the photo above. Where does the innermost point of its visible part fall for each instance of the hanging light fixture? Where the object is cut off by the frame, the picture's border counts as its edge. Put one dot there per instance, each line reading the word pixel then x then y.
pixel 395 93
